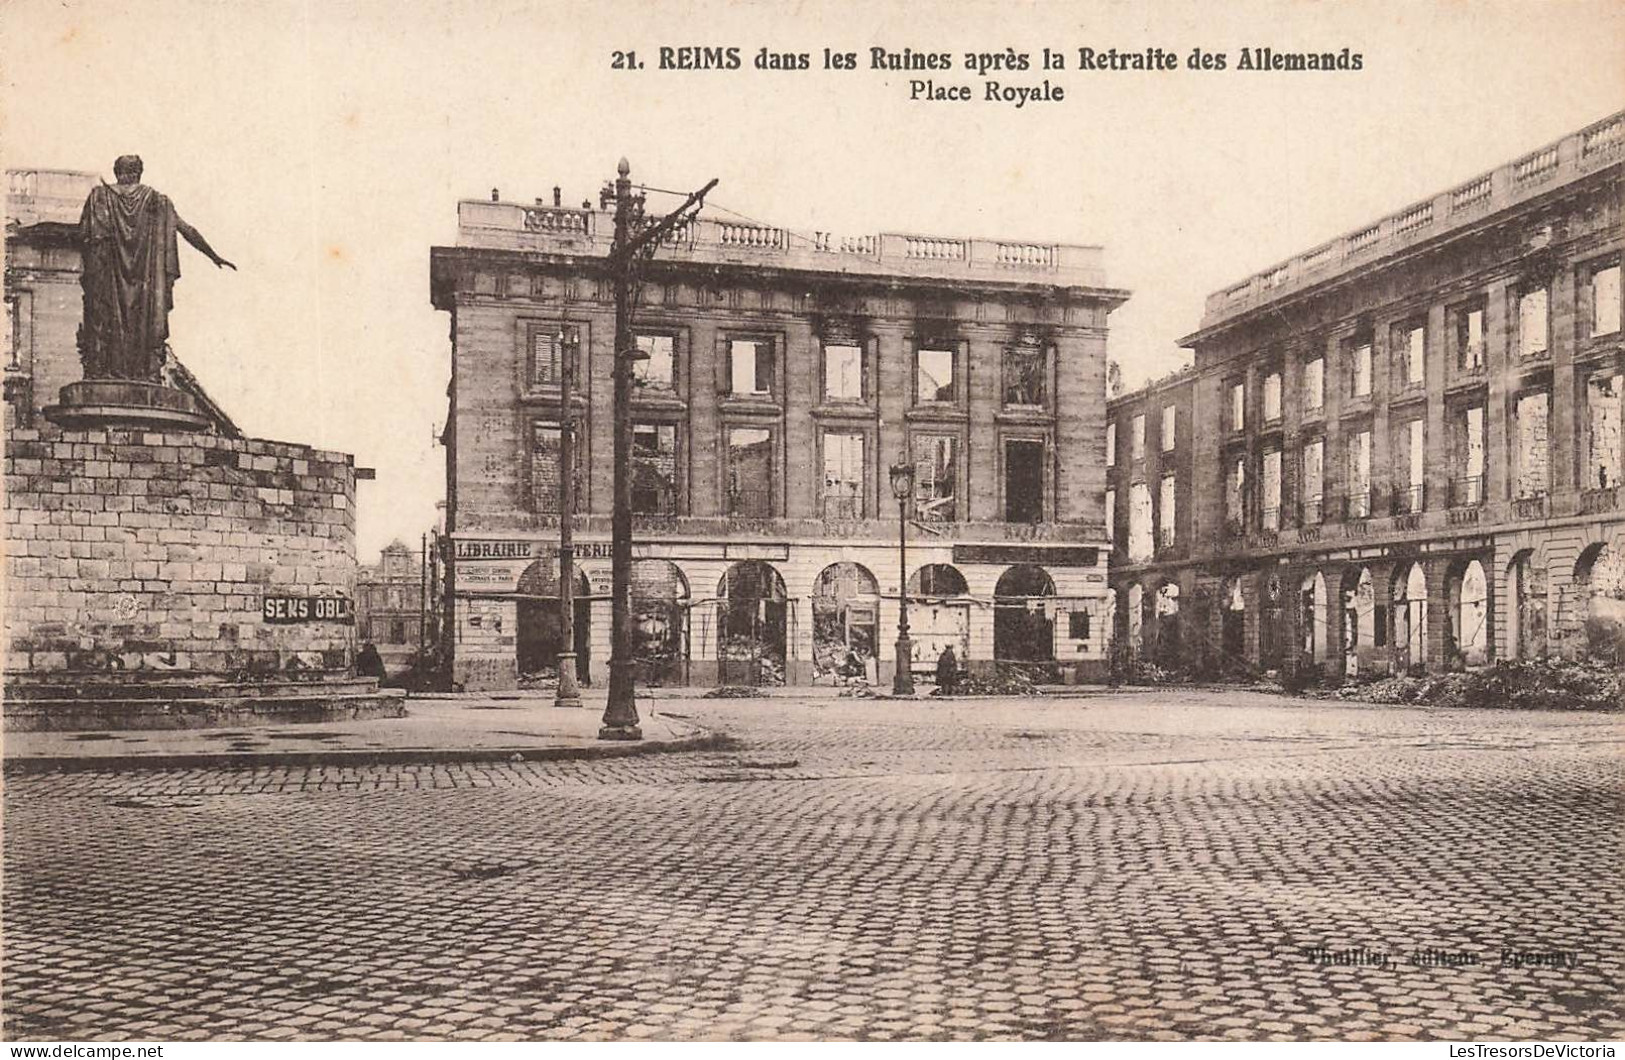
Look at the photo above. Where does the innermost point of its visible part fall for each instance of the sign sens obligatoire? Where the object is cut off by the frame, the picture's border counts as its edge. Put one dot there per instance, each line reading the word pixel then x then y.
pixel 291 610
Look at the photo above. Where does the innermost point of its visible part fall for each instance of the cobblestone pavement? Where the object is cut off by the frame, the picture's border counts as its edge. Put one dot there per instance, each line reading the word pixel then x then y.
pixel 1123 867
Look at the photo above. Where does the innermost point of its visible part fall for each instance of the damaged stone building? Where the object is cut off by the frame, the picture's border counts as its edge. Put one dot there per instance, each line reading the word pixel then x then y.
pixel 783 375
pixel 1398 450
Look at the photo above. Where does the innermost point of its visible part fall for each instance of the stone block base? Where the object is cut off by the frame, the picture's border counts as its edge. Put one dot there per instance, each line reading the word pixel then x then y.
pixel 66 704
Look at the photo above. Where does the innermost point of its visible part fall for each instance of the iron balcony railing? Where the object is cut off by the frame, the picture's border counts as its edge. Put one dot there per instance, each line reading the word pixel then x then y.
pixel 546 500
pixel 1467 492
pixel 750 504
pixel 1270 518
pixel 1357 505
pixel 842 507
pixel 1529 506
pixel 1408 500
pixel 1311 511
pixel 655 500
pixel 1601 499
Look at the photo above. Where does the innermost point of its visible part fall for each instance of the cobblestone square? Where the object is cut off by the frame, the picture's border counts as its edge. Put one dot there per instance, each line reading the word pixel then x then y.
pixel 1169 864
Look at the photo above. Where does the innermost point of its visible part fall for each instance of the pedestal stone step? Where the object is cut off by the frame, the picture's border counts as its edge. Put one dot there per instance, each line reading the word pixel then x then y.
pixel 174 687
pixel 309 705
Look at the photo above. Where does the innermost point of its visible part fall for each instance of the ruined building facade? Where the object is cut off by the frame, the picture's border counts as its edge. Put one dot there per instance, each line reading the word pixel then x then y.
pixel 782 378
pixel 390 605
pixel 1399 450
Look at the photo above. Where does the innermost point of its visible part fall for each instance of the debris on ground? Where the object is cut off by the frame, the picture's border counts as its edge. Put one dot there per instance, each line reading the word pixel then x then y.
pixel 1546 684
pixel 1003 681
pixel 547 677
pixel 1145 672
pixel 732 692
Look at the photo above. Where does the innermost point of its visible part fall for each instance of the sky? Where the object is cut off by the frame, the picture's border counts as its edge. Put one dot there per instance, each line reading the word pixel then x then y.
pixel 322 145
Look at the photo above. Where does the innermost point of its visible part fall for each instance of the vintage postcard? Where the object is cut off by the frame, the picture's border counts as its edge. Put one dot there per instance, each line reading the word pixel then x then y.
pixel 886 521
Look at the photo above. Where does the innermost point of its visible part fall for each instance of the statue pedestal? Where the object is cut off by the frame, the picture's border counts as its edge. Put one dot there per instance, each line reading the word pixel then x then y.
pixel 93 403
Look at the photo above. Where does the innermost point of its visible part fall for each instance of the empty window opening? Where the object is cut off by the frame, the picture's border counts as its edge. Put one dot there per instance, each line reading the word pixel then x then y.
pixel 752 367
pixel 934 370
pixel 1024 482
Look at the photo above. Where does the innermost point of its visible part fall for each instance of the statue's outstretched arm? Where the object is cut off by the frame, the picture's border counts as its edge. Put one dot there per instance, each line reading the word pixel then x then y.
pixel 194 237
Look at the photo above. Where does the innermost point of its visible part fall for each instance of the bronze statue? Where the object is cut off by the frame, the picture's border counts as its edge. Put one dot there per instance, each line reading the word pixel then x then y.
pixel 131 263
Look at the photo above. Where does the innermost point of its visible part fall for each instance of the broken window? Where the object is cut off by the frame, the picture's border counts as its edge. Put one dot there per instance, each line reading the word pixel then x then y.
pixel 1170 421
pixel 1409 477
pixel 1532 322
pixel 936 474
pixel 657 367
pixel 1605 304
pixel 1413 354
pixel 1469 489
pixel 1605 396
pixel 1024 481
pixel 1314 481
pixel 1111 515
pixel 934 375
pixel 843 372
pixel 654 468
pixel 1272 397
pixel 546 457
pixel 1138 440
pixel 1238 406
pixel 549 345
pixel 751 367
pixel 1360 369
pixel 843 475
pixel 1235 491
pixel 1024 382
pixel 1529 458
pixel 1359 494
pixel 750 472
pixel 1314 383
pixel 1111 445
pixel 1470 337
pixel 1270 513
pixel 1140 543
pixel 1167 511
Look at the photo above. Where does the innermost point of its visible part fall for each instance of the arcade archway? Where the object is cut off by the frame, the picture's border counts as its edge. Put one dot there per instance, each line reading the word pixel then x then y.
pixel 751 625
pixel 1526 629
pixel 1023 627
pixel 660 599
pixel 938 613
pixel 1359 601
pixel 1410 595
pixel 539 637
pixel 845 613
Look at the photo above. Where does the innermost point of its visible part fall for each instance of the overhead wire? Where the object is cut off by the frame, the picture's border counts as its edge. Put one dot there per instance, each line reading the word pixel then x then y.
pixel 810 240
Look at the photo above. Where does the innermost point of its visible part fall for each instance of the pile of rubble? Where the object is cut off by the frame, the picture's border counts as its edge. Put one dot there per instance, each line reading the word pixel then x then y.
pixel 1003 681
pixel 732 692
pixel 1553 684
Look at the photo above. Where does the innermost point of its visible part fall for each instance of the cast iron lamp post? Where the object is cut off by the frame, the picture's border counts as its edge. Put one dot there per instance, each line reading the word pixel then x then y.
pixel 902 484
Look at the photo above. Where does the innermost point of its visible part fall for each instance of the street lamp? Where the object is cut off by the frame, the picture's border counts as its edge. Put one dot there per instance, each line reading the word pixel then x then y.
pixel 902 484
